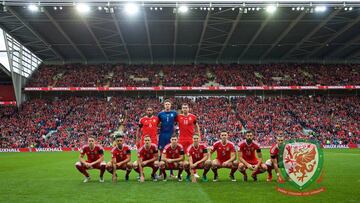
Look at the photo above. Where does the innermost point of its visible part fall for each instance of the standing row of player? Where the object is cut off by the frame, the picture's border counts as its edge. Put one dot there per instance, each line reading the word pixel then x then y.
pixel 172 158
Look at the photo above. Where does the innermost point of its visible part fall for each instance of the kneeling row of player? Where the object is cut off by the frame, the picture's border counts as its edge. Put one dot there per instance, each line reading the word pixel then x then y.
pixel 172 158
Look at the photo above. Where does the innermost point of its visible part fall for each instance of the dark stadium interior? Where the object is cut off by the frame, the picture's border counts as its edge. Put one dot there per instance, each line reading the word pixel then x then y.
pixel 264 96
pixel 5 76
pixel 211 36
pixel 209 48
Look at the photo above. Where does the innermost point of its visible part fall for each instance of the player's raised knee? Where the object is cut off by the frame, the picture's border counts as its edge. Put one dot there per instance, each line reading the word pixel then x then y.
pixel 215 163
pixel 129 165
pixel 207 164
pixel 264 167
pixel 241 166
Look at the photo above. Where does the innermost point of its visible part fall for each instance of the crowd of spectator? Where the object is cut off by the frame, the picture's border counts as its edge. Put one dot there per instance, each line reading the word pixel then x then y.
pixel 119 75
pixel 66 122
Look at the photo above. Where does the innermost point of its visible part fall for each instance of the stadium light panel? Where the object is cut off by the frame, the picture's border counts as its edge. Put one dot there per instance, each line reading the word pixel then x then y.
pixel 320 8
pixel 33 8
pixel 270 9
pixel 131 9
pixel 184 9
pixel 83 8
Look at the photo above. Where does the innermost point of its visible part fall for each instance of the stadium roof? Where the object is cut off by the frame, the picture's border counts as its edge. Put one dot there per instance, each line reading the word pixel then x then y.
pixel 166 36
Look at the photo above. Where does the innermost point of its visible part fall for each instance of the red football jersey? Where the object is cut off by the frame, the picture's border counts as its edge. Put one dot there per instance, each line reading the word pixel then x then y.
pixel 248 151
pixel 196 153
pixel 120 154
pixel 147 154
pixel 173 153
pixel 94 154
pixel 149 126
pixel 223 152
pixel 186 126
pixel 274 152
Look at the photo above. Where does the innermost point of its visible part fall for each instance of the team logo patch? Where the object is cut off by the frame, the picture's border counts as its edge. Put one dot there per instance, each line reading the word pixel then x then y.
pixel 301 164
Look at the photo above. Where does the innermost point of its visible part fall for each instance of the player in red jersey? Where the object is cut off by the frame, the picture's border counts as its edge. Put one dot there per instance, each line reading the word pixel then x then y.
pixel 187 124
pixel 172 158
pixel 272 163
pixel 198 159
pixel 187 127
pixel 95 159
pixel 248 158
pixel 225 156
pixel 148 125
pixel 147 157
pixel 120 158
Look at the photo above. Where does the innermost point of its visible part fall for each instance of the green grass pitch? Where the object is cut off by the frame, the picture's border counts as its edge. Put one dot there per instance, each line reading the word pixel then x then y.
pixel 52 177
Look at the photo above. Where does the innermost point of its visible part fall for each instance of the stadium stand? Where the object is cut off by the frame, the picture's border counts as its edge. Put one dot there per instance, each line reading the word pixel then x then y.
pixel 77 75
pixel 68 121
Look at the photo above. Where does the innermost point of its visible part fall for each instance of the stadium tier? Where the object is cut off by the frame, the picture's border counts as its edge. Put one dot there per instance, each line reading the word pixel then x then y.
pixel 76 75
pixel 67 122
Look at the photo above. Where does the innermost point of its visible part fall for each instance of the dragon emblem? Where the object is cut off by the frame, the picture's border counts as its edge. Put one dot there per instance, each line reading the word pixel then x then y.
pixel 300 161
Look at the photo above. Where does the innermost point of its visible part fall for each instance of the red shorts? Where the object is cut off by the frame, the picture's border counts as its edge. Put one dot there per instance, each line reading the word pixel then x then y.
pixel 200 165
pixel 122 167
pixel 172 166
pixel 151 165
pixel 186 144
pixel 222 161
pixel 252 162
pixel 96 166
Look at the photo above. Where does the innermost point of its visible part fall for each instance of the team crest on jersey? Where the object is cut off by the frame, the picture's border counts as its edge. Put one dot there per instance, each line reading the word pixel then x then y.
pixel 301 164
pixel 227 149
